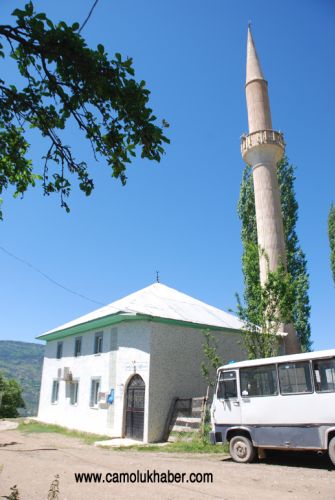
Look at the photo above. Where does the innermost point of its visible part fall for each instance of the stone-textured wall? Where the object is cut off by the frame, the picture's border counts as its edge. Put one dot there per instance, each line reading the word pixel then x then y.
pixel 176 356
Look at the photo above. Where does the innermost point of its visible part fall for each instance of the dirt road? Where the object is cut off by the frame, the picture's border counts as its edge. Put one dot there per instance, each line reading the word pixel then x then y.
pixel 31 462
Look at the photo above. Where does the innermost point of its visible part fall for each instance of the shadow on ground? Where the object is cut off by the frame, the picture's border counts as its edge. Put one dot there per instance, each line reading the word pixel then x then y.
pixel 306 459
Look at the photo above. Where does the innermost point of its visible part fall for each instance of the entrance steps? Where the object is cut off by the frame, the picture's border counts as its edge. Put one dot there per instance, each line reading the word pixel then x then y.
pixel 186 416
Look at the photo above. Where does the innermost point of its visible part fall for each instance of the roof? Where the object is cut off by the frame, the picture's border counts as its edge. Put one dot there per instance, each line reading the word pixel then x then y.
pixel 154 301
pixel 329 353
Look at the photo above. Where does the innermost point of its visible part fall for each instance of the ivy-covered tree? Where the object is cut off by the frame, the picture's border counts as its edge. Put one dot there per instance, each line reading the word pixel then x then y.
pixel 64 83
pixel 263 319
pixel 11 399
pixel 331 235
pixel 212 360
pixel 296 260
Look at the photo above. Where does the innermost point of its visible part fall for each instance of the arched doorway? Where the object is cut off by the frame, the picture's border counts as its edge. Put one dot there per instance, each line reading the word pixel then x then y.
pixel 135 408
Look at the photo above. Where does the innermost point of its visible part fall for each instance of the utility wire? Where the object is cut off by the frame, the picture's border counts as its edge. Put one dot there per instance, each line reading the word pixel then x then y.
pixel 48 277
pixel 89 15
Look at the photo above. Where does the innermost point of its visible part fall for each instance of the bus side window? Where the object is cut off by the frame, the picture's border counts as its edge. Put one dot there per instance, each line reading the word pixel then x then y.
pixel 227 387
pixel 259 381
pixel 295 378
pixel 324 375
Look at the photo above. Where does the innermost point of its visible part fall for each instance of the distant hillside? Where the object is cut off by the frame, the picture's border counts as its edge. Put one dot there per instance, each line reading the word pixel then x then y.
pixel 23 362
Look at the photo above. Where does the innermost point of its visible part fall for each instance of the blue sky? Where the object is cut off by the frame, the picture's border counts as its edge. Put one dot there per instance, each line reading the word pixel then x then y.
pixel 179 216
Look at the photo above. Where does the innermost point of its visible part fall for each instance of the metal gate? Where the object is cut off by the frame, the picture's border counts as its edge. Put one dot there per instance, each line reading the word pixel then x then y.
pixel 135 408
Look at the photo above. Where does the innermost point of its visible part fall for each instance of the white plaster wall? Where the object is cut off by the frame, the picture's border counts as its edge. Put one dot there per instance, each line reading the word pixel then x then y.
pixel 83 368
pixel 133 340
pixel 133 356
pixel 176 356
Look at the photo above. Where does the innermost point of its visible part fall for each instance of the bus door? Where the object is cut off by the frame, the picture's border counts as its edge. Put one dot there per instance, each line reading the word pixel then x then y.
pixel 227 408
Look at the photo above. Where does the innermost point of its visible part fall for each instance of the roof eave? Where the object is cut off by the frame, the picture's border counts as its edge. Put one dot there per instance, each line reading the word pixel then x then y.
pixel 119 318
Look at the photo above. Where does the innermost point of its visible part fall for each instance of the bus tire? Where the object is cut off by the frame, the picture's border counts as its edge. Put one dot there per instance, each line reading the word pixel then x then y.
pixel 331 449
pixel 241 449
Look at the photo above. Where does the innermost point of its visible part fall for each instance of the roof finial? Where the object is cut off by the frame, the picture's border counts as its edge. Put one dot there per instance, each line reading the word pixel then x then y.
pixel 157 276
pixel 249 24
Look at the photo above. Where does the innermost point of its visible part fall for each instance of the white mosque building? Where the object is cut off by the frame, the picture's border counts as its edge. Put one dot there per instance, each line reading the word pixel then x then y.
pixel 116 370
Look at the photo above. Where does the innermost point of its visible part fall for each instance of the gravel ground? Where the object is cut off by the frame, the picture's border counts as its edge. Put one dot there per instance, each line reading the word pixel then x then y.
pixel 31 461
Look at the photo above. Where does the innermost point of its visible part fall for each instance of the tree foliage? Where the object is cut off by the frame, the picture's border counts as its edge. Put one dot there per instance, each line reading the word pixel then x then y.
pixel 65 83
pixel 11 398
pixel 296 260
pixel 263 318
pixel 23 361
pixel 331 235
pixel 212 359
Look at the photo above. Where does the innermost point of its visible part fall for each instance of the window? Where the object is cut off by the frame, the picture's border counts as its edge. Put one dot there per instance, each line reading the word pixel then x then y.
pixel 59 350
pixel 227 387
pixel 95 388
pixel 77 346
pixel 55 391
pixel 324 375
pixel 74 386
pixel 98 343
pixel 295 378
pixel 259 381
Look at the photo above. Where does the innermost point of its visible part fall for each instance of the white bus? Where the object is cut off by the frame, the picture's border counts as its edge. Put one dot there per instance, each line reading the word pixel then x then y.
pixel 284 402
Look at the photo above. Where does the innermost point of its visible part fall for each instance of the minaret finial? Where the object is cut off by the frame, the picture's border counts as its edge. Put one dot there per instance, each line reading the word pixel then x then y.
pixel 157 276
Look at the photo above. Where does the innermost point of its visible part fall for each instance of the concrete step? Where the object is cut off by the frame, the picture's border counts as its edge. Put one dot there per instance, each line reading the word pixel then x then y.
pixel 182 428
pixel 188 420
pixel 173 439
pixel 189 425
pixel 181 413
pixel 197 404
pixel 183 404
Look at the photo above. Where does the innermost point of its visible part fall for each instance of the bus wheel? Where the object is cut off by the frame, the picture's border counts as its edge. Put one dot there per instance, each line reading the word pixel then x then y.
pixel 241 449
pixel 331 449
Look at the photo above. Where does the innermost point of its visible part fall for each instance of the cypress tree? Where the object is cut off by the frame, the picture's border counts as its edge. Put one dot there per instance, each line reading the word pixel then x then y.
pixel 296 260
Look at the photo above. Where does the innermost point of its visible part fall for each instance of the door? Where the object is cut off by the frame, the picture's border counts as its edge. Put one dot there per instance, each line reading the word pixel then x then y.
pixel 135 408
pixel 227 402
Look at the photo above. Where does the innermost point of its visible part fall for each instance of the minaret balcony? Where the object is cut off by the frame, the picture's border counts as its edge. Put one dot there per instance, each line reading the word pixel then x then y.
pixel 261 138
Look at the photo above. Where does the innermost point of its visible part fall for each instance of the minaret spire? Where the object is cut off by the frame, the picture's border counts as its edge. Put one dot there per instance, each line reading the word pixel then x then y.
pixel 262 149
pixel 254 70
pixel 256 87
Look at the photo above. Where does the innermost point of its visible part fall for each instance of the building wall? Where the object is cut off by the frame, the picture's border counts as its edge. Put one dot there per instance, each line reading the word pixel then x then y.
pixel 122 346
pixel 176 357
pixel 133 357
pixel 167 357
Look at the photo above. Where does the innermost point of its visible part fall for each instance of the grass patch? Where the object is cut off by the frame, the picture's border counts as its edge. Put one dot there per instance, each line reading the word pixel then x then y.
pixel 182 445
pixel 38 427
pixel 185 443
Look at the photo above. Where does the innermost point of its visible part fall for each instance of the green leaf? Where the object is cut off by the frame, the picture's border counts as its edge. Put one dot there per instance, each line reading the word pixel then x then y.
pixel 29 8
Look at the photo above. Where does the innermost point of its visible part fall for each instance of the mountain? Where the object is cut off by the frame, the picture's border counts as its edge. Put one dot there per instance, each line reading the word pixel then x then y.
pixel 23 362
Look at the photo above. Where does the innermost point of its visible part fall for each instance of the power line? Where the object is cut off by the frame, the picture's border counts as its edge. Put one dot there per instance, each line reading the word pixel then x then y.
pixel 89 15
pixel 25 262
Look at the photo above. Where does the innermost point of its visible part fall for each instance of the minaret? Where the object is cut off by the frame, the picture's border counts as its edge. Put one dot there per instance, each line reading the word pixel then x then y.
pixel 262 149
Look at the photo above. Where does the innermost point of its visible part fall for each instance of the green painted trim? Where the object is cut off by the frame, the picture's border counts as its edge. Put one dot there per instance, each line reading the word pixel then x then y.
pixel 120 318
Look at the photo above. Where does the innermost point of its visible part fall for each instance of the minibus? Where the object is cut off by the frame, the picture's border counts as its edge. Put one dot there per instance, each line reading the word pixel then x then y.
pixel 284 402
